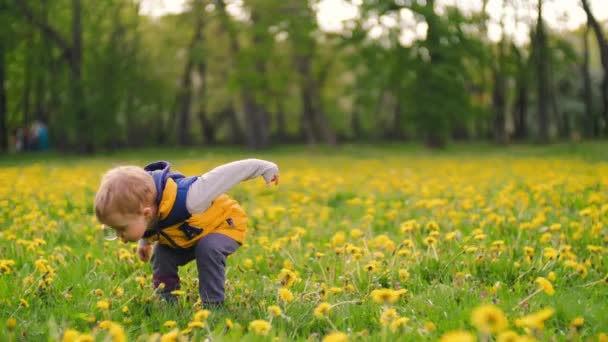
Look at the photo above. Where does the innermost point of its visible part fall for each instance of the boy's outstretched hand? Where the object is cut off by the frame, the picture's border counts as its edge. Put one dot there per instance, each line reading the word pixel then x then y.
pixel 143 251
pixel 275 180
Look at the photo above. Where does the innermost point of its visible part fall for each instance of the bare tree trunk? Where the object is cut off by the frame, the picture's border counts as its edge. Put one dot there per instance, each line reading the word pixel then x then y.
pixel 500 88
pixel 590 126
pixel 603 46
pixel 281 121
pixel 184 94
pixel 207 126
pixel 520 107
pixel 308 108
pixel 85 144
pixel 256 132
pixel 3 109
pixel 27 81
pixel 72 55
pixel 541 68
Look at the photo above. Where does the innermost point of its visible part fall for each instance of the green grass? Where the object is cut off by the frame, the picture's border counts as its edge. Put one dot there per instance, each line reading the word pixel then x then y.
pixel 480 193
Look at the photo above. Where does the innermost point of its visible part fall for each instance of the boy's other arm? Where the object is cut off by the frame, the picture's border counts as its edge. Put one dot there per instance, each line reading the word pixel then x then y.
pixel 221 179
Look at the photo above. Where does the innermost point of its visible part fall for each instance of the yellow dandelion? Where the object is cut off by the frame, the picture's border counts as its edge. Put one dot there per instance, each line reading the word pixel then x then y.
pixel 429 326
pixel 171 336
pixel 335 337
pixel 399 323
pixel 404 275
pixel 70 335
pixel 322 309
pixel 577 323
pixel 508 336
pixel 260 327
pixel 11 323
pixel 103 304
pixel 285 295
pixel 545 285
pixel 489 319
pixel 228 323
pixel 287 277
pixel 429 241
pixel 385 296
pixel 170 324
pixel 457 336
pixel 388 316
pixel 178 292
pixel 202 315
pixel 535 320
pixel 274 310
pixel 197 325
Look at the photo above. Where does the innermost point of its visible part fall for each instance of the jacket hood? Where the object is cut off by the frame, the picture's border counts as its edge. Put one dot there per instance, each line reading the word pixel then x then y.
pixel 160 171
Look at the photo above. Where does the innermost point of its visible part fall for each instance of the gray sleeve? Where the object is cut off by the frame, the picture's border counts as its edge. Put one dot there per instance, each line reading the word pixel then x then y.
pixel 221 179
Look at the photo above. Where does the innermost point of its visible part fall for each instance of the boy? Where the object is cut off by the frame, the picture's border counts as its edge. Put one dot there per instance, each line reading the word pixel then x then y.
pixel 188 218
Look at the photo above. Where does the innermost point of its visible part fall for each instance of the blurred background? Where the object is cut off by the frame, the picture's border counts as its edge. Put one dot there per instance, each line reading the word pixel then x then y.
pixel 87 76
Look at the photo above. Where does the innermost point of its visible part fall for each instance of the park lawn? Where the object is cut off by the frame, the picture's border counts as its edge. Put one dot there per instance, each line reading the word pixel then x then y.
pixel 360 242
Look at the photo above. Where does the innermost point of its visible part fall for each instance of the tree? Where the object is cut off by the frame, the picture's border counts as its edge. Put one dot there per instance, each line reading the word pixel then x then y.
pixel 540 47
pixel 72 55
pixel 589 122
pixel 603 46
pixel 256 126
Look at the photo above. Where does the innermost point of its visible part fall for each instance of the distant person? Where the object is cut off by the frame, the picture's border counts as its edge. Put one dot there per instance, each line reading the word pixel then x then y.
pixel 38 136
pixel 186 217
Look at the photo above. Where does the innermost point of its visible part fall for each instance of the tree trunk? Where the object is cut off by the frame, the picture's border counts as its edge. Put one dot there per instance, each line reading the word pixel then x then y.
pixel 27 81
pixel 603 46
pixel 589 123
pixel 207 126
pixel 541 69
pixel 184 94
pixel 520 107
pixel 84 143
pixel 256 131
pixel 3 114
pixel 281 121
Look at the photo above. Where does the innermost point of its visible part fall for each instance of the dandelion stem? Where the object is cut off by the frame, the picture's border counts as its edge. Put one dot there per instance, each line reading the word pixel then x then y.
pixel 527 298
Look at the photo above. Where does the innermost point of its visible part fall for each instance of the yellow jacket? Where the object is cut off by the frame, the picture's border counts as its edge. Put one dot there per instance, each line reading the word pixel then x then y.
pixel 178 228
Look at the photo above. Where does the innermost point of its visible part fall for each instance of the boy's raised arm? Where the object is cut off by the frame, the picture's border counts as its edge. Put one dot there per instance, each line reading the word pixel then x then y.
pixel 221 179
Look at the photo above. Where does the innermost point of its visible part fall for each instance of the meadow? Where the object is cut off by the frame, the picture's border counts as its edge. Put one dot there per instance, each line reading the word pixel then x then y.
pixel 360 243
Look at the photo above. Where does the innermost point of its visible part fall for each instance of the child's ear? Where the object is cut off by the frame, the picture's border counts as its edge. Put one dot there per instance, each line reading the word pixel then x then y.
pixel 147 211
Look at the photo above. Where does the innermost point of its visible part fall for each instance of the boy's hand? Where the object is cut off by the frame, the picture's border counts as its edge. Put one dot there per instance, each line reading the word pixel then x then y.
pixel 275 180
pixel 143 251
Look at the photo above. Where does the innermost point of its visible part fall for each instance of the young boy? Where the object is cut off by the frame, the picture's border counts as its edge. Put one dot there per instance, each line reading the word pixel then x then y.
pixel 188 218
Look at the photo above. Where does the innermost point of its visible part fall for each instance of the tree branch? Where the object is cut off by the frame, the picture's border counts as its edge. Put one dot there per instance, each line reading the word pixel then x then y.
pixel 43 26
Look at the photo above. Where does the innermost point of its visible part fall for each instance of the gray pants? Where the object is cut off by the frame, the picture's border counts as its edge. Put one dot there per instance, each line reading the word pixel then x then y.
pixel 210 253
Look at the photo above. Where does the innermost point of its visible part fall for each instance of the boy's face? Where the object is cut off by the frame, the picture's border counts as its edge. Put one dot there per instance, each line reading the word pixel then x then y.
pixel 130 227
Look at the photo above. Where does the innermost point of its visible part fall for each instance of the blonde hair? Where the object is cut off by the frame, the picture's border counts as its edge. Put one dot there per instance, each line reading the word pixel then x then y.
pixel 124 189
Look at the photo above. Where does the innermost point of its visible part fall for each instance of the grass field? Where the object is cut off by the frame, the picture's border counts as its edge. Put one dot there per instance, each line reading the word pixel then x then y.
pixel 360 243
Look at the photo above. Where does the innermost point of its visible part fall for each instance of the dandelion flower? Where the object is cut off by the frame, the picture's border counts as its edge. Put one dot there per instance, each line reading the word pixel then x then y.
pixel 103 304
pixel 274 310
pixel 535 320
pixel 170 324
pixel 285 295
pixel 201 315
pixel 489 319
pixel 545 285
pixel 322 309
pixel 384 296
pixel 399 323
pixel 577 323
pixel 11 323
pixel 336 337
pixel 457 336
pixel 171 336
pixel 260 327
